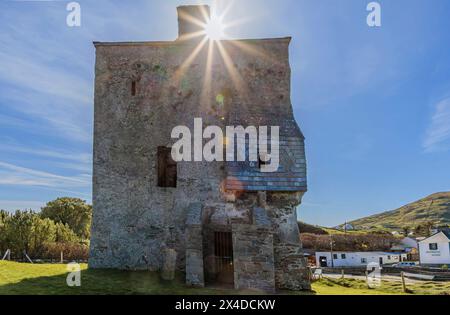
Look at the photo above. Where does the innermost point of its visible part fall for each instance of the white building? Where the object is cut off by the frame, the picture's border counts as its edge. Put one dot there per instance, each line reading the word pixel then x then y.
pixel 435 250
pixel 357 259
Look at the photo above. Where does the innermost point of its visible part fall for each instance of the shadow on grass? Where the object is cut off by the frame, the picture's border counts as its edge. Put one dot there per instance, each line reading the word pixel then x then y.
pixel 115 282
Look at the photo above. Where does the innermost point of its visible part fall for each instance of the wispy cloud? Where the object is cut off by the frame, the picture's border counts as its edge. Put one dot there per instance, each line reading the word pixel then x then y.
pixel 39 77
pixel 438 134
pixel 11 174
pixel 67 160
pixel 49 115
pixel 43 78
pixel 84 158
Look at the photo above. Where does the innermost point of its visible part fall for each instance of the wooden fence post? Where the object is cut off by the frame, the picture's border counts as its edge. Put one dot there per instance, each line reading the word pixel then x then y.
pixel 405 290
pixel 7 255
pixel 343 274
pixel 27 257
pixel 62 257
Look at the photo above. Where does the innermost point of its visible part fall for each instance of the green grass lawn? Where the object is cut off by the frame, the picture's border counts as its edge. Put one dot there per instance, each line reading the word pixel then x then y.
pixel 359 287
pixel 17 278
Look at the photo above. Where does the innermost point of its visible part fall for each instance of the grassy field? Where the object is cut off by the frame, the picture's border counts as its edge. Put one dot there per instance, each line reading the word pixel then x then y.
pixel 332 231
pixel 359 287
pixel 16 278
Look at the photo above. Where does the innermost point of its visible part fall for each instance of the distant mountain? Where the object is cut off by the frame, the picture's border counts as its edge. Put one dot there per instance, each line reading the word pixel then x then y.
pixel 433 209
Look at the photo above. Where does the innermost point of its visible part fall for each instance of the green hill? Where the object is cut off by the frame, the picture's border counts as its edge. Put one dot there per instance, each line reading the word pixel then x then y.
pixel 312 229
pixel 434 209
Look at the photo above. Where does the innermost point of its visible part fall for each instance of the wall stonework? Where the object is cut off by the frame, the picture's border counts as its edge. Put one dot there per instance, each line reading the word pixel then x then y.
pixel 140 226
pixel 254 257
pixel 291 272
pixel 194 247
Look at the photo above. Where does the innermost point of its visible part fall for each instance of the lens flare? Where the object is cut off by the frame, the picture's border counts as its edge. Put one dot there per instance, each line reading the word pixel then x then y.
pixel 214 29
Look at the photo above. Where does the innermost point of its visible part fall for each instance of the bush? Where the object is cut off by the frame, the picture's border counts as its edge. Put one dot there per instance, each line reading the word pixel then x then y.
pixel 71 251
pixel 42 231
pixel 17 233
pixel 27 232
pixel 360 242
pixel 64 234
pixel 74 212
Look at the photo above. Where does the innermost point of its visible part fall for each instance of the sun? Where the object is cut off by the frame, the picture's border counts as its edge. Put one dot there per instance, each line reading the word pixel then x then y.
pixel 214 28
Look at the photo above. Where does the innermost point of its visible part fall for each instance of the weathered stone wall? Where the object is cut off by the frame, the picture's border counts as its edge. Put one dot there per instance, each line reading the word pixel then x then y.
pixel 291 271
pixel 290 264
pixel 194 246
pixel 253 257
pixel 134 219
pixel 138 225
pixel 220 218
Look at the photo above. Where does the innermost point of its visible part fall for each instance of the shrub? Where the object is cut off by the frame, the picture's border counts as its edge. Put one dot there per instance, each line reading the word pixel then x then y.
pixel 74 212
pixel 64 234
pixel 71 251
pixel 359 242
pixel 27 232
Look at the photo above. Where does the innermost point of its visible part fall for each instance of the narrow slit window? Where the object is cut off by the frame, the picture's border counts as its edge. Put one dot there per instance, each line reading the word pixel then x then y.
pixel 167 168
pixel 133 88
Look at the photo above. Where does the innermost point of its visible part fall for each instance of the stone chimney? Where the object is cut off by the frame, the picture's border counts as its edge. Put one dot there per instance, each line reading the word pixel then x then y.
pixel 190 18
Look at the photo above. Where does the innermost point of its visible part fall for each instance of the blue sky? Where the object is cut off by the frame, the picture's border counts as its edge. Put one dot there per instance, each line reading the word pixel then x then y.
pixel 373 103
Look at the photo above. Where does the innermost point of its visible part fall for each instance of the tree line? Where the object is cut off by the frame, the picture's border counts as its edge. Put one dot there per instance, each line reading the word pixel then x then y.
pixel 349 242
pixel 63 225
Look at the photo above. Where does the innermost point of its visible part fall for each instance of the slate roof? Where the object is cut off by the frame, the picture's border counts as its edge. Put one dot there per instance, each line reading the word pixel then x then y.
pixel 446 232
pixel 291 174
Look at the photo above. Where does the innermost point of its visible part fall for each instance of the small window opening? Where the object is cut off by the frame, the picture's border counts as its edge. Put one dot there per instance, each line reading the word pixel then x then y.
pixel 133 88
pixel 433 246
pixel 167 168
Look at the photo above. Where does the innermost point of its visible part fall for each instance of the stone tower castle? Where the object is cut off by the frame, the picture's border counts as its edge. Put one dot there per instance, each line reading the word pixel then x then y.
pixel 219 222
